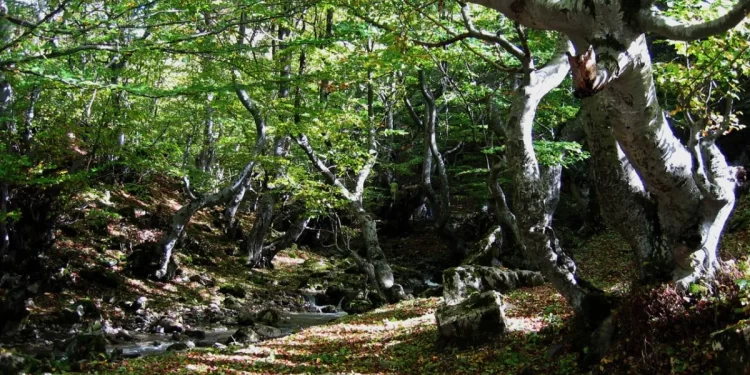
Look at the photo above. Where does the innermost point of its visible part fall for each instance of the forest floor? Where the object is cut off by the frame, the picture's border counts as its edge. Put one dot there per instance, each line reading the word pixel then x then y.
pixel 393 339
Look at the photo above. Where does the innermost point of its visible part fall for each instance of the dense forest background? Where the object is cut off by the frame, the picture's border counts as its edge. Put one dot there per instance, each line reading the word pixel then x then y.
pixel 374 187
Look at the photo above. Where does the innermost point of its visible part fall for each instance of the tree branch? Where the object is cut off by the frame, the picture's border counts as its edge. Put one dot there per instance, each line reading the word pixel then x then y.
pixel 651 20
pixel 304 143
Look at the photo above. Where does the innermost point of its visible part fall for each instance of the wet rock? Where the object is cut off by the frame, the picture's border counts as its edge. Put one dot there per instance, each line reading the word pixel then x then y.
pixel 268 332
pixel 124 335
pixel 328 309
pixel 460 282
pixel 733 347
pixel 86 347
pixel 196 334
pixel 269 317
pixel 233 290
pixel 476 319
pixel 170 325
pixel 243 336
pixel 181 346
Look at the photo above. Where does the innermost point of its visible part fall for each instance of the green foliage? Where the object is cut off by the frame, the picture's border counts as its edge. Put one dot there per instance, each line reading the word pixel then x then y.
pixel 564 153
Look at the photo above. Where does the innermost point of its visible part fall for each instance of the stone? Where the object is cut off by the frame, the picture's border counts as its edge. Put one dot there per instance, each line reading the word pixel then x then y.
pixel 460 282
pixel 328 309
pixel 733 347
pixel 358 306
pixel 204 280
pixel 268 332
pixel 196 334
pixel 181 346
pixel 476 319
pixel 232 303
pixel 233 290
pixel 140 303
pixel 86 347
pixel 246 318
pixel 243 336
pixel 269 317
pixel 124 335
pixel 219 346
pixel 170 325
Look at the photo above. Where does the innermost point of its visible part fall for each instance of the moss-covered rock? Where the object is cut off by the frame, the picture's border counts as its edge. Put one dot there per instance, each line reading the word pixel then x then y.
pixel 476 319
pixel 233 290
pixel 270 317
pixel 460 282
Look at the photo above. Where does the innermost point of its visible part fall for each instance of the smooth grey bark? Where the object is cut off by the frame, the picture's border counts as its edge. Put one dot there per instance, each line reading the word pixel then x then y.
pixel 433 161
pixel 534 204
pixel 264 214
pixel 186 212
pixel 207 157
pixel 287 239
pixel 260 143
pixel 692 187
pixel 376 263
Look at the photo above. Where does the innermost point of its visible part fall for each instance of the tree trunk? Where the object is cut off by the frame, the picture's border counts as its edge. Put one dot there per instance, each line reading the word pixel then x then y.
pixel 207 156
pixel 264 215
pixel 290 237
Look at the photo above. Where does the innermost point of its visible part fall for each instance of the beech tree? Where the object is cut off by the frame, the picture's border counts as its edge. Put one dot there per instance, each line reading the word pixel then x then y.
pixel 670 200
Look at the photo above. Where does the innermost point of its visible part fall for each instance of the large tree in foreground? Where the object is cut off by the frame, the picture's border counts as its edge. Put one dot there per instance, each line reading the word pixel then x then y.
pixel 669 199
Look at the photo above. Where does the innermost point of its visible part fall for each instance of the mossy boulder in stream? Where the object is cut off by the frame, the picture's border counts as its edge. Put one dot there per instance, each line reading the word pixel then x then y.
pixel 460 282
pixel 476 319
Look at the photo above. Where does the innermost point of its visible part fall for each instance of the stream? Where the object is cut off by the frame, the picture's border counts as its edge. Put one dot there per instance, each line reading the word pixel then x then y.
pixel 145 344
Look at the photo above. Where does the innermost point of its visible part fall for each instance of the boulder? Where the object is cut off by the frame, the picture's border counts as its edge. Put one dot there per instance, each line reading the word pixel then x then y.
pixel 86 347
pixel 358 306
pixel 233 290
pixel 140 303
pixel 476 319
pixel 232 303
pixel 733 347
pixel 181 346
pixel 170 325
pixel 268 332
pixel 246 318
pixel 460 282
pixel 270 317
pixel 204 280
pixel 243 336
